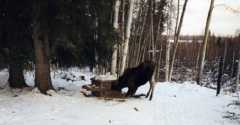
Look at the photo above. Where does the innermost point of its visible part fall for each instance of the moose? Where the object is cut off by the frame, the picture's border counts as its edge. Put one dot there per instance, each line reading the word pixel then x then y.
pixel 136 77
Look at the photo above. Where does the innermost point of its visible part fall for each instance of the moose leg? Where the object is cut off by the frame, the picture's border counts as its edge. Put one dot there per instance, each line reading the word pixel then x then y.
pixel 151 90
pixel 153 86
pixel 131 91
pixel 131 88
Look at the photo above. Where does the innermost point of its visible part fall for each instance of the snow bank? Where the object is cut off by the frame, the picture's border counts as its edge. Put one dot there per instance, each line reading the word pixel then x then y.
pixel 173 104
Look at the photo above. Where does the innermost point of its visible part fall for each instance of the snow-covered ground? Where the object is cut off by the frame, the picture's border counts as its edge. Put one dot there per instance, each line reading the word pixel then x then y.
pixel 172 104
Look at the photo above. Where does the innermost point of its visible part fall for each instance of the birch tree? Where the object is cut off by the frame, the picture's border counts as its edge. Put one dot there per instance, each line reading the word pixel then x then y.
pixel 169 32
pixel 176 37
pixel 168 44
pixel 205 41
pixel 128 33
pixel 115 26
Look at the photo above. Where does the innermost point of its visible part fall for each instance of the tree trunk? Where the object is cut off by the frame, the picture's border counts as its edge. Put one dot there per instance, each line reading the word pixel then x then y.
pixel 168 44
pixel 176 37
pixel 42 66
pixel 115 48
pixel 220 73
pixel 168 47
pixel 15 68
pixel 197 61
pixel 238 75
pixel 16 77
pixel 152 40
pixel 205 41
pixel 232 65
pixel 177 18
pixel 141 37
pixel 128 33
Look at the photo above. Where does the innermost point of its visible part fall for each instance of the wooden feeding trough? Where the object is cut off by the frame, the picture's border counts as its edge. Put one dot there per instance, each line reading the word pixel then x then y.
pixel 102 88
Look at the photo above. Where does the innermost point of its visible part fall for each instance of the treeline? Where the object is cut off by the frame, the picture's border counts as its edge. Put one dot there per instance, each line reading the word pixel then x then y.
pixel 188 54
pixel 188 50
pixel 63 33
pixel 107 36
pixel 42 34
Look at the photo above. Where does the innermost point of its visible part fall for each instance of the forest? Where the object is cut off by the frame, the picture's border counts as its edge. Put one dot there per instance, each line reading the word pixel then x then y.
pixel 53 42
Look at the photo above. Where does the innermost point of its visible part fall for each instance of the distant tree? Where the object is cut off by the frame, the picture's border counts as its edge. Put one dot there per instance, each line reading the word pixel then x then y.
pixel 220 73
pixel 238 76
pixel 237 32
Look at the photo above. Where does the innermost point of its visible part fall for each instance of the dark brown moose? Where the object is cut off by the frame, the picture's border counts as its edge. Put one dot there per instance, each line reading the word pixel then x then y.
pixel 136 77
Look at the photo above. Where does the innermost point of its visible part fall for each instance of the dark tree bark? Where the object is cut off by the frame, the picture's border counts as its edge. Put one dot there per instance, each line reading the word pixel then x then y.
pixel 16 77
pixel 15 68
pixel 238 75
pixel 41 45
pixel 42 66
pixel 220 73
pixel 221 68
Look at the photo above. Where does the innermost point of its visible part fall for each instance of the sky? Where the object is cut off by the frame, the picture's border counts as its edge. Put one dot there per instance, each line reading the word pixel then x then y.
pixel 224 22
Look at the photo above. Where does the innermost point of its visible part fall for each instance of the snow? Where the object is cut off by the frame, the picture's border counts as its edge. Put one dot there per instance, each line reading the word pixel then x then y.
pixel 172 104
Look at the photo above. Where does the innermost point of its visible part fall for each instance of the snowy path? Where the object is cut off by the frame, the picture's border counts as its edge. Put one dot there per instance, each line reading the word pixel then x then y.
pixel 173 104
